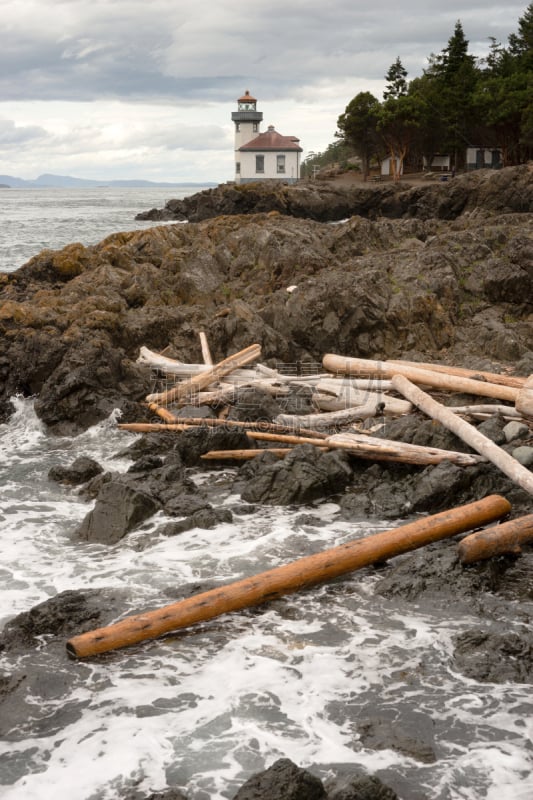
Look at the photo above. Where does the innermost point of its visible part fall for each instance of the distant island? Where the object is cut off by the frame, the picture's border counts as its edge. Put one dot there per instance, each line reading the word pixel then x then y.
pixel 68 182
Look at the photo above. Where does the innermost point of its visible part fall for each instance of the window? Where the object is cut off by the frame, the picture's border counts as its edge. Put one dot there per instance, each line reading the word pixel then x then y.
pixel 259 163
pixel 237 126
pixel 255 127
pixel 237 167
pixel 280 160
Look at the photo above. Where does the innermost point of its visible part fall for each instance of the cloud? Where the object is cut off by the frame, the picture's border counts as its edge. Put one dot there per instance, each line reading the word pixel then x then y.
pixel 11 134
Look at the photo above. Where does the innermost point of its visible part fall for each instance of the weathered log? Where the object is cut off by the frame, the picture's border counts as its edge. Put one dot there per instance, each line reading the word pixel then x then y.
pixel 171 366
pixel 286 438
pixel 502 539
pixel 336 386
pixel 157 427
pixel 374 449
pixel 164 413
pixel 487 410
pixel 524 399
pixel 371 447
pixel 191 386
pixel 206 352
pixel 344 394
pixel 288 578
pixel 436 380
pixel 342 414
pixel 244 455
pixel 468 433
pixel 328 419
pixel 462 372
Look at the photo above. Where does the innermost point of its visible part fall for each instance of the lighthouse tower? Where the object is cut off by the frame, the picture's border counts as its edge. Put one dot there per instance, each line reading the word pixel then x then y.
pixel 247 120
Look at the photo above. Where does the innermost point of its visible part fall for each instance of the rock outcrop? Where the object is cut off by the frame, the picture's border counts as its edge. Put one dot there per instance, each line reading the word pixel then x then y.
pixel 72 321
pixel 506 191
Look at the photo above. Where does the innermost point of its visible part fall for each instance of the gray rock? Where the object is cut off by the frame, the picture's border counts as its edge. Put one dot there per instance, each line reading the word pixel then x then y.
pixel 493 657
pixel 282 781
pixel 360 786
pixel 119 509
pixel 515 430
pixel 524 455
pixel 80 471
pixel 492 428
pixel 305 474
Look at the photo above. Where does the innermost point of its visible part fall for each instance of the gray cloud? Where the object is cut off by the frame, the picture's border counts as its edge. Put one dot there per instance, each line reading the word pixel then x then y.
pixel 166 49
pixel 11 134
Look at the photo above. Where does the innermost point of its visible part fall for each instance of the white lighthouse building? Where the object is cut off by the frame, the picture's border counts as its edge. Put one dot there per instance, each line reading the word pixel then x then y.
pixel 267 156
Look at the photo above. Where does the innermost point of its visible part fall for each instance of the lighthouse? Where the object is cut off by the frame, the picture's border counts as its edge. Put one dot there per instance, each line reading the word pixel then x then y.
pixel 262 156
pixel 247 119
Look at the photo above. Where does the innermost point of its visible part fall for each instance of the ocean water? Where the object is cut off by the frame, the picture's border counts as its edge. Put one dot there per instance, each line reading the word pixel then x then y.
pixel 32 220
pixel 205 709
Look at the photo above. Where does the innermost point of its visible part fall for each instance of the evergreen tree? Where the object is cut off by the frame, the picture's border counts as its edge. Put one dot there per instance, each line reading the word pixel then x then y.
pixel 396 80
pixel 456 75
pixel 358 127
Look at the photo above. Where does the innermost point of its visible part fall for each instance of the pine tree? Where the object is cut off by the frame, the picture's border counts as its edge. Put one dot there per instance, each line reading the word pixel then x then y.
pixel 396 80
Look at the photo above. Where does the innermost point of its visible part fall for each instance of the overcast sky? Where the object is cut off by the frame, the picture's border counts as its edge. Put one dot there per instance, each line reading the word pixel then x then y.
pixel 145 88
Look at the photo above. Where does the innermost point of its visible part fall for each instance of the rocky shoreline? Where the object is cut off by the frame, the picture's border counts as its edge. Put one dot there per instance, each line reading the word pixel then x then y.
pixel 443 272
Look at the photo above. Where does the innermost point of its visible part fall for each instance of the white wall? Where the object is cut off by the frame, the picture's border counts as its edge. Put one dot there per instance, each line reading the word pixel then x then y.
pixel 248 172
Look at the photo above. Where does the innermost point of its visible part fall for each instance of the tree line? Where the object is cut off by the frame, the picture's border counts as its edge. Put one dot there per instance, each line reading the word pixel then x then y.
pixel 458 101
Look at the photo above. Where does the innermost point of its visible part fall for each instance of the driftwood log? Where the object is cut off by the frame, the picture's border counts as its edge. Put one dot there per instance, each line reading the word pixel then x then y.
pixel 370 447
pixel 191 386
pixel 206 422
pixel 245 455
pixel 374 449
pixel 503 539
pixel 462 372
pixel 424 377
pixel 289 578
pixel 524 399
pixel 206 352
pixel 468 433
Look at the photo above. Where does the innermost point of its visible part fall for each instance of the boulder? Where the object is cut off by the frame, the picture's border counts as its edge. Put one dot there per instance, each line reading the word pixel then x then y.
pixel 282 781
pixel 494 657
pixel 304 475
pixel 360 786
pixel 80 471
pixel 119 509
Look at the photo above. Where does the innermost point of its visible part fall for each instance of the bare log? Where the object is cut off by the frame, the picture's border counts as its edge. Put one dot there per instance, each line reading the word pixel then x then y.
pixel 171 366
pixel 206 352
pixel 179 369
pixel 164 413
pixel 328 419
pixel 468 433
pixel 524 399
pixel 287 438
pixel 436 380
pixel 371 447
pixel 502 539
pixel 374 449
pixel 288 578
pixel 462 372
pixel 244 455
pixel 487 410
pixel 371 398
pixel 157 427
pixel 191 386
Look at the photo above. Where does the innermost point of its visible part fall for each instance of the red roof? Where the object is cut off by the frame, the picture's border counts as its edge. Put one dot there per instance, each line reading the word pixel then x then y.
pixel 272 140
pixel 247 98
